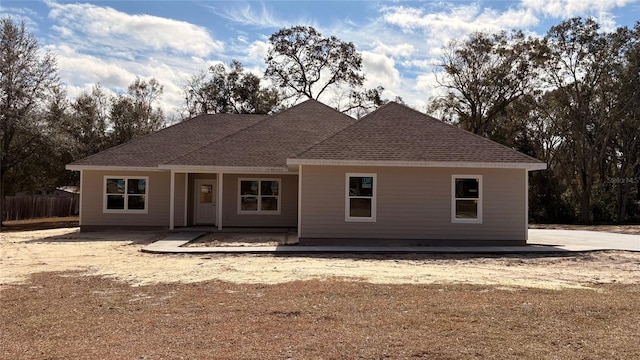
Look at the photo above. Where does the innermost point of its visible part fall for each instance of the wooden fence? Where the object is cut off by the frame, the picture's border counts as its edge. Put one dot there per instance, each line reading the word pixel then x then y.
pixel 37 207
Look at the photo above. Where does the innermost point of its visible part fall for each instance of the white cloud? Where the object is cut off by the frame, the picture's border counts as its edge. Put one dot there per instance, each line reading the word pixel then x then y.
pixel 18 14
pixel 257 52
pixel 400 50
pixel 427 82
pixel 95 44
pixel 17 11
pixel 598 9
pixel 429 29
pixel 457 20
pixel 80 72
pixel 108 27
pixel 380 70
pixel 76 68
pixel 248 15
pixel 570 8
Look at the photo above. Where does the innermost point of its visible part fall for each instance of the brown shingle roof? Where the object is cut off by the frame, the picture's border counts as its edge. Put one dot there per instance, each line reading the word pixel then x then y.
pixel 308 131
pixel 269 143
pixel 171 142
pixel 395 132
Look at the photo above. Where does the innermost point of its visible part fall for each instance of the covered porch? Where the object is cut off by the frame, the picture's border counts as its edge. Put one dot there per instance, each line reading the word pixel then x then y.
pixel 217 200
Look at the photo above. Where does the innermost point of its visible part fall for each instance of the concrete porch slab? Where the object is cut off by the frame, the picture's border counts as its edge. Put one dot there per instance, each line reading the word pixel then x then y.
pixel 540 241
pixel 173 241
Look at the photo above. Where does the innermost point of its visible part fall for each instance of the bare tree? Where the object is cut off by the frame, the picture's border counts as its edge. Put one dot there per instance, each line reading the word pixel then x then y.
pixel 26 76
pixel 482 76
pixel 305 64
pixel 579 64
pixel 232 91
pixel 133 115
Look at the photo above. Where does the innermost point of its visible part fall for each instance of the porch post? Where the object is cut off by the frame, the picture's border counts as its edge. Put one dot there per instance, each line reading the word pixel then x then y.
pixel 172 200
pixel 299 201
pixel 526 205
pixel 219 201
pixel 186 197
pixel 80 199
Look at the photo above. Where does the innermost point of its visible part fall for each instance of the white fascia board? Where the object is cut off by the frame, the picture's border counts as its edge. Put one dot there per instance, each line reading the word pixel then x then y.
pixel 111 168
pixel 227 169
pixel 433 164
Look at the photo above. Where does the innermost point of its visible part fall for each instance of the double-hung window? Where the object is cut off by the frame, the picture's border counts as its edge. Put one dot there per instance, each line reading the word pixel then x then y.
pixel 259 196
pixel 126 194
pixel 466 199
pixel 360 201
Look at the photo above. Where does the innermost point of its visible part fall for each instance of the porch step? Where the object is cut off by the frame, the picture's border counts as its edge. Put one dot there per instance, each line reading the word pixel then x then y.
pixel 173 241
pixel 184 236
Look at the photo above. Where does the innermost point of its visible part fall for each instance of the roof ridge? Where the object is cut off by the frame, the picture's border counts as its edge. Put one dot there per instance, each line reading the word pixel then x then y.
pixel 356 121
pixel 314 101
pixel 299 113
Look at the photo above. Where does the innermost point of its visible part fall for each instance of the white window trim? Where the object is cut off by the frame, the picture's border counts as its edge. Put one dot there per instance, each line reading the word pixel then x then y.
pixel 259 211
pixel 455 219
pixel 374 196
pixel 125 210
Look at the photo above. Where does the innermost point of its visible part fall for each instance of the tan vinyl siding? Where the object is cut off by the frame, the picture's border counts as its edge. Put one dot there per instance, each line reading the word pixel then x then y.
pixel 288 216
pixel 413 203
pixel 157 200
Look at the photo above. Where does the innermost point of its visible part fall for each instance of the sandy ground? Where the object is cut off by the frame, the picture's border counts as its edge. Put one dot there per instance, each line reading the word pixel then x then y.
pixel 117 255
pixel 620 229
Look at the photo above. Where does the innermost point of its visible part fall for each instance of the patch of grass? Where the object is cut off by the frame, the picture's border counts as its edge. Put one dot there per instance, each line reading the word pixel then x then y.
pixel 73 316
pixel 40 224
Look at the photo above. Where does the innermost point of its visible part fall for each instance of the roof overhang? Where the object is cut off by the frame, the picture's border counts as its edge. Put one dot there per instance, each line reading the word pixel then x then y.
pixel 225 169
pixel 431 164
pixel 187 168
pixel 73 167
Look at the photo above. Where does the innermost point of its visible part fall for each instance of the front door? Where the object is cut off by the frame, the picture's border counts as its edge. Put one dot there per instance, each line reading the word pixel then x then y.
pixel 205 201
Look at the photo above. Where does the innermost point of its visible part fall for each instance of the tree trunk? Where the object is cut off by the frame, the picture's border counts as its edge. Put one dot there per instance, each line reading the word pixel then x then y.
pixel 622 195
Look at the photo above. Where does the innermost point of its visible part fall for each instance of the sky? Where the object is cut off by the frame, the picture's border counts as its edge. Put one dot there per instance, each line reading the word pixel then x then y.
pixel 113 42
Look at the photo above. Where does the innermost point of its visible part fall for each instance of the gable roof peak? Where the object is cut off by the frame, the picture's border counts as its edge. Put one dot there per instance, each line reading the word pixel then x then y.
pixel 397 133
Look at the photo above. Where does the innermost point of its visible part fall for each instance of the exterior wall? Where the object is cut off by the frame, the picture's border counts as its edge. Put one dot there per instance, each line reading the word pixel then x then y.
pixel 288 216
pixel 414 203
pixel 158 201
pixel 93 201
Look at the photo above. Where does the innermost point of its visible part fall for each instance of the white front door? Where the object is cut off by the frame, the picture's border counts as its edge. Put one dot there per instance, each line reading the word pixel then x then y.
pixel 205 201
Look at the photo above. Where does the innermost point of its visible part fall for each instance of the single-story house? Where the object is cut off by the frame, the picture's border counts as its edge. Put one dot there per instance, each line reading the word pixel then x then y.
pixel 396 174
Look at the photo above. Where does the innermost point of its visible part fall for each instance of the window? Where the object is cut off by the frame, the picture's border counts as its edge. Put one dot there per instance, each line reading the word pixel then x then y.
pixel 206 194
pixel 466 194
pixel 125 194
pixel 360 202
pixel 259 196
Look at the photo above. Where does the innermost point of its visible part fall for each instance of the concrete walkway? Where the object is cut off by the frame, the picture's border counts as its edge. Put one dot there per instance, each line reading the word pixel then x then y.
pixel 540 241
pixel 584 240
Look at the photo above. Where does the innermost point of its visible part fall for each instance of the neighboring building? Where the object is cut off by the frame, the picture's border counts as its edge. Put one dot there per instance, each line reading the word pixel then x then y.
pixel 66 192
pixel 396 174
pixel 62 191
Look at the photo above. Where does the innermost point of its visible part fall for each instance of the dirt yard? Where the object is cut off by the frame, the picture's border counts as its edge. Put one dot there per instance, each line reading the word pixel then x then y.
pixel 117 255
pixel 66 294
pixel 620 229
